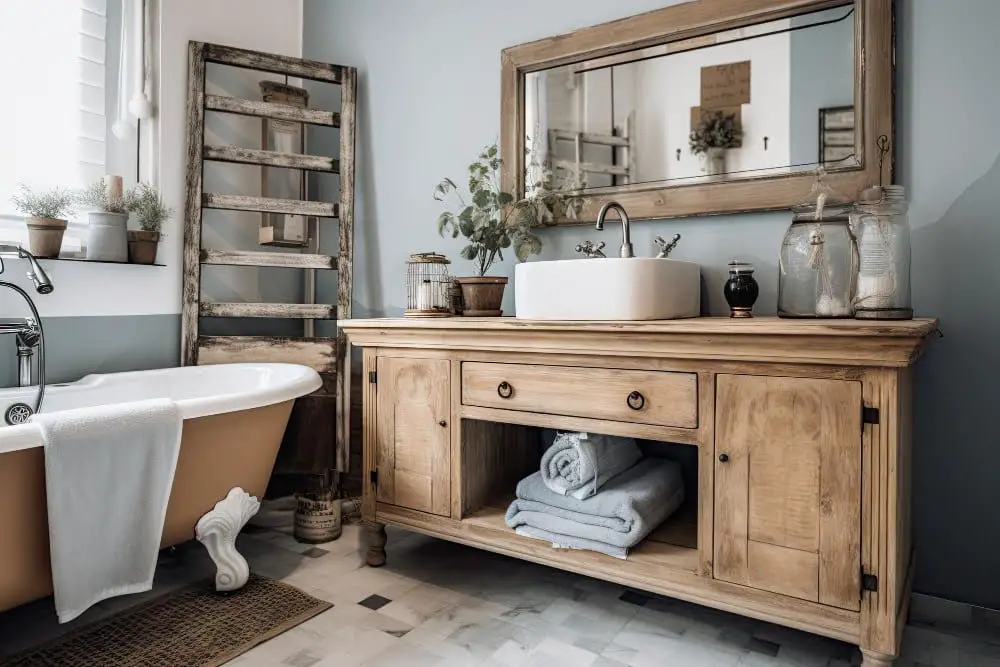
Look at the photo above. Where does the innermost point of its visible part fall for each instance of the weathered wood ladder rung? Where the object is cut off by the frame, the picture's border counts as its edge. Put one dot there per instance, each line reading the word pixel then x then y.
pixel 326 355
pixel 272 259
pixel 271 110
pixel 239 155
pixel 318 209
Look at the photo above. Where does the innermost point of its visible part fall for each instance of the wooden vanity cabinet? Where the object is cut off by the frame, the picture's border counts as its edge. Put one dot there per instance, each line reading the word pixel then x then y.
pixel 788 486
pixel 798 513
pixel 414 434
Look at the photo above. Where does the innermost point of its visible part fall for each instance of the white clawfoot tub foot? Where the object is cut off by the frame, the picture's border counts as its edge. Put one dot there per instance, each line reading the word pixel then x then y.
pixel 218 529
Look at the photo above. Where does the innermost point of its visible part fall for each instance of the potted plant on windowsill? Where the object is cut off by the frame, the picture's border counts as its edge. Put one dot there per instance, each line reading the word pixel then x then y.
pixel 151 212
pixel 47 211
pixel 107 240
pixel 495 220
pixel 716 132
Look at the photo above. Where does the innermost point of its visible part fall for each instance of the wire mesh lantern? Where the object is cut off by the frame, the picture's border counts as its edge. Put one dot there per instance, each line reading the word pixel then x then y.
pixel 428 286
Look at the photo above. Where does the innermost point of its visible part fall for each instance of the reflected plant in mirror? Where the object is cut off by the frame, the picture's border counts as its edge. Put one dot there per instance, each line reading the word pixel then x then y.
pixel 717 132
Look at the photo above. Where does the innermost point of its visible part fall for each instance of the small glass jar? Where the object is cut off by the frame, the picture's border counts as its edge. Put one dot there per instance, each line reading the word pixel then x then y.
pixel 741 290
pixel 883 237
pixel 819 259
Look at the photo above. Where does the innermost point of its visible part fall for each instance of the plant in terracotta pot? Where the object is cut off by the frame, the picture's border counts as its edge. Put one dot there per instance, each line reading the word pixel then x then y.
pixel 151 212
pixel 716 132
pixel 493 221
pixel 108 217
pixel 47 211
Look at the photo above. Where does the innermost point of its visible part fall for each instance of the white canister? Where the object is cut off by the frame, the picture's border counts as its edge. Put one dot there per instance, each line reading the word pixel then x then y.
pixel 108 238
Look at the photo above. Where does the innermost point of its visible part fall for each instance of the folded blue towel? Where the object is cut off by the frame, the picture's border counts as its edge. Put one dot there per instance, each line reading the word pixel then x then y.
pixel 579 464
pixel 617 518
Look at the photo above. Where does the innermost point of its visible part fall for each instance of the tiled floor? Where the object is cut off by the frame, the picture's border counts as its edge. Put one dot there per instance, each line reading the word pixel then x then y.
pixel 437 603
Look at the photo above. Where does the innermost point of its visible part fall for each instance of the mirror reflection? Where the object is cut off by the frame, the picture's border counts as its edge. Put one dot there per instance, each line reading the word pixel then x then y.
pixel 772 98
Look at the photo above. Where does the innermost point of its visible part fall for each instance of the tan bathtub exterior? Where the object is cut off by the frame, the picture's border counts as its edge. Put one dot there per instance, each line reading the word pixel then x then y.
pixel 217 453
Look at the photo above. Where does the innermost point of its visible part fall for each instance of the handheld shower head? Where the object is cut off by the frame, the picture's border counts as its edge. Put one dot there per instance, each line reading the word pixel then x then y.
pixel 36 274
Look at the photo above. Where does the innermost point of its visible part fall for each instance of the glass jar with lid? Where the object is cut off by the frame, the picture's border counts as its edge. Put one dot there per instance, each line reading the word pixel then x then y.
pixel 818 264
pixel 883 237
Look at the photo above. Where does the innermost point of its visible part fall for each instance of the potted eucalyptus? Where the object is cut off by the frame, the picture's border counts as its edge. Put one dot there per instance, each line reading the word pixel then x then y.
pixel 716 132
pixel 47 213
pixel 108 218
pixel 151 212
pixel 493 220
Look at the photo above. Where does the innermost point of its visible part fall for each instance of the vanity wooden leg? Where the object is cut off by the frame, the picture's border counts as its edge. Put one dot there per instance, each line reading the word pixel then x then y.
pixel 375 532
pixel 876 659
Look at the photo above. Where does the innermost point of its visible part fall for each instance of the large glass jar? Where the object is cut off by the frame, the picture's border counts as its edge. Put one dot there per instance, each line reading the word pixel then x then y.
pixel 883 237
pixel 819 259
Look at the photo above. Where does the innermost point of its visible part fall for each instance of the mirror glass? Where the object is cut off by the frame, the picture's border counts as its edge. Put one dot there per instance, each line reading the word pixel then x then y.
pixel 767 99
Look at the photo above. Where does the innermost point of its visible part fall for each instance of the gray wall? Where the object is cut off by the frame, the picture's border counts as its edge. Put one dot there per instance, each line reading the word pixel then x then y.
pixel 78 346
pixel 429 98
pixel 822 75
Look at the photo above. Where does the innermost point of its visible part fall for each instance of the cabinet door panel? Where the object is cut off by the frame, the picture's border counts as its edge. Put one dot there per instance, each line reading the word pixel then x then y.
pixel 788 490
pixel 414 448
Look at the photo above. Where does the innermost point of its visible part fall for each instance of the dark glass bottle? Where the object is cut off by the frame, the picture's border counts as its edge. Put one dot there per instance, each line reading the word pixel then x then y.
pixel 741 289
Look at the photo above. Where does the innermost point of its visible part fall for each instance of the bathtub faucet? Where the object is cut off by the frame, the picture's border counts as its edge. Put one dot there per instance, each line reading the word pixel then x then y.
pixel 28 332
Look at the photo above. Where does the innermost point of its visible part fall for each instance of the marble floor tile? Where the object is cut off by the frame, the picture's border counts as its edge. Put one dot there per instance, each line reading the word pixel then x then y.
pixel 443 604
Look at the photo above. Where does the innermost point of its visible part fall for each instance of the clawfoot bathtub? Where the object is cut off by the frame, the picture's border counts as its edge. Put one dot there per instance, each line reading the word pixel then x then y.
pixel 234 418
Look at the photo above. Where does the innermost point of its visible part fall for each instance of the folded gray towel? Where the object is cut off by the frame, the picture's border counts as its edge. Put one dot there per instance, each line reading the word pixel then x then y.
pixel 567 542
pixel 579 464
pixel 627 509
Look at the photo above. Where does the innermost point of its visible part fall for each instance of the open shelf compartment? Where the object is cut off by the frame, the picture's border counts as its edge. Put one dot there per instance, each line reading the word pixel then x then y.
pixel 495 456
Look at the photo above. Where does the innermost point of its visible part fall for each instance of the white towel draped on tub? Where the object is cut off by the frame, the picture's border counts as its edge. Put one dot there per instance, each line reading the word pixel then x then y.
pixel 108 473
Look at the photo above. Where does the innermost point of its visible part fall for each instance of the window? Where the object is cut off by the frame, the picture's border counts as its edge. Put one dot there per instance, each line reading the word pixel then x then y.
pixel 60 62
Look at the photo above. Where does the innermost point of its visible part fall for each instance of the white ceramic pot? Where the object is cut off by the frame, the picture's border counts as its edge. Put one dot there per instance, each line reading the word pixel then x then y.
pixel 715 161
pixel 108 239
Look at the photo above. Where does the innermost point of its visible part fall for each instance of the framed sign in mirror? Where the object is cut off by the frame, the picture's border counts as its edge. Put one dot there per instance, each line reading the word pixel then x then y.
pixel 704 107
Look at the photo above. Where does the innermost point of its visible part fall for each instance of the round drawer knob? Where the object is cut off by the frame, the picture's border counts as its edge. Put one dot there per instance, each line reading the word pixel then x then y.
pixel 505 390
pixel 636 401
pixel 442 423
pixel 723 458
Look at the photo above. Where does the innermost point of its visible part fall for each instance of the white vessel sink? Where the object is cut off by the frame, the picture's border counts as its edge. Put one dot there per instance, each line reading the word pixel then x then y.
pixel 640 288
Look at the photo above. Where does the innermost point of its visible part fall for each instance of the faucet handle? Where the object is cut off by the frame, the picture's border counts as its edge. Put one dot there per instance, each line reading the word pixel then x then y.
pixel 590 250
pixel 666 248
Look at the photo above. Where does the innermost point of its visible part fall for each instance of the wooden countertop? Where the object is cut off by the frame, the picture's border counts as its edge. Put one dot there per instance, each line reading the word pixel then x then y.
pixel 760 339
pixel 773 326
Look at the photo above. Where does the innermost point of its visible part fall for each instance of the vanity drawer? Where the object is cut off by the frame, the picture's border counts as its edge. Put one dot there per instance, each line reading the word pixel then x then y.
pixel 645 397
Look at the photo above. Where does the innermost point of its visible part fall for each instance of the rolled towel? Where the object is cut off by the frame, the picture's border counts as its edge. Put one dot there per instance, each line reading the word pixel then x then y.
pixel 627 509
pixel 579 464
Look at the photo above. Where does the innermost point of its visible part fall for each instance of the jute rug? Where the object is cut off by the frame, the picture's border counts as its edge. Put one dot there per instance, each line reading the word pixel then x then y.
pixel 191 627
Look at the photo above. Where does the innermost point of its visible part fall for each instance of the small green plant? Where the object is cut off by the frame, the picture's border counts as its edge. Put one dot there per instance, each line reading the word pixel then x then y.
pixel 494 220
pixel 716 130
pixel 57 203
pixel 95 196
pixel 148 206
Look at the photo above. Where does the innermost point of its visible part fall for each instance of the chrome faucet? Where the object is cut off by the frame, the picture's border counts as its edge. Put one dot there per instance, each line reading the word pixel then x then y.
pixel 626 249
pixel 28 331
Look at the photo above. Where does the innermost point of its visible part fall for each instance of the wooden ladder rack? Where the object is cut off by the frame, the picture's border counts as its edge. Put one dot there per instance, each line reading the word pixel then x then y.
pixel 329 356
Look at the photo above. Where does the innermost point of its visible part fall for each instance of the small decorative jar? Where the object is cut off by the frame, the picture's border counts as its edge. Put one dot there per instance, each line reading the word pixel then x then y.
pixel 883 234
pixel 428 286
pixel 741 289
pixel 818 264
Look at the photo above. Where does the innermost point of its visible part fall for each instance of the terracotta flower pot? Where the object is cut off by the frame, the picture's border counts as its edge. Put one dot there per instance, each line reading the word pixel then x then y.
pixel 142 246
pixel 482 295
pixel 45 236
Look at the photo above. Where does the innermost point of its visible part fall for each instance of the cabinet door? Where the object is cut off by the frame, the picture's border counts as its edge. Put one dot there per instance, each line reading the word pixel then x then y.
pixel 788 486
pixel 414 433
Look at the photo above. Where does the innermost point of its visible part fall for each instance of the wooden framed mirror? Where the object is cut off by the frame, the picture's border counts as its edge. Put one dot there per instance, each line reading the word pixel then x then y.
pixel 775 89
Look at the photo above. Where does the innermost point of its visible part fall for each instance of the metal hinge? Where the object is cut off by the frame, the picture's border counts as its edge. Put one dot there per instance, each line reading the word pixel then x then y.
pixel 869 582
pixel 372 377
pixel 373 477
pixel 869 415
